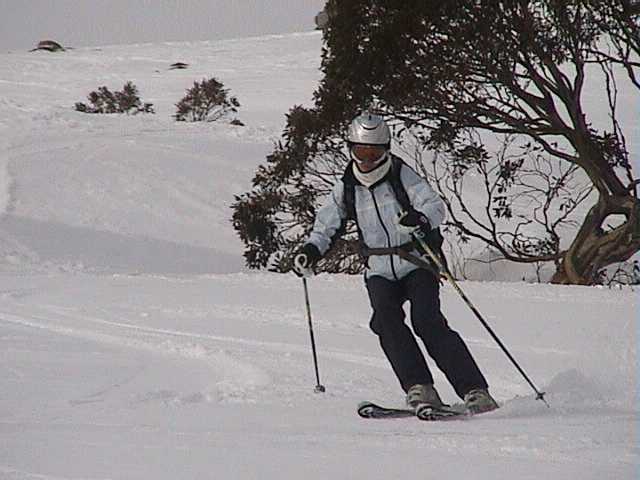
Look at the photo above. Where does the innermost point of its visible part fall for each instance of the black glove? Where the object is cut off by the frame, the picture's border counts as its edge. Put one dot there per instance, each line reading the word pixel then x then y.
pixel 305 259
pixel 417 224
pixel 414 220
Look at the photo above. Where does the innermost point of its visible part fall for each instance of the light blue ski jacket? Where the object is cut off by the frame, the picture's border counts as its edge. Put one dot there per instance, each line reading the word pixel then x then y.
pixel 377 214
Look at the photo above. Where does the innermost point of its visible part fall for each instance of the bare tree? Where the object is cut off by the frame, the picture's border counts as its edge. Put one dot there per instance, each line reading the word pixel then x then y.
pixel 517 201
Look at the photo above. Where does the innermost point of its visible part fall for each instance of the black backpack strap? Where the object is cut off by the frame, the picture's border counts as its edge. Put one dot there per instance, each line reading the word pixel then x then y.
pixel 350 200
pixel 397 186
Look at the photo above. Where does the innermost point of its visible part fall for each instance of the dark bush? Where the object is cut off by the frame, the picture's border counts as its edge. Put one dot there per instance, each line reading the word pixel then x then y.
pixel 179 66
pixel 206 101
pixel 105 101
pixel 49 46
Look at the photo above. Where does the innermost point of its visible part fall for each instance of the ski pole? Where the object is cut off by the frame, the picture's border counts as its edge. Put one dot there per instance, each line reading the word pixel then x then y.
pixel 319 387
pixel 420 237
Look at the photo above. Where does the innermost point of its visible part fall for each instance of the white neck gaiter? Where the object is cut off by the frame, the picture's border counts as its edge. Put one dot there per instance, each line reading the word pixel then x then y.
pixel 375 175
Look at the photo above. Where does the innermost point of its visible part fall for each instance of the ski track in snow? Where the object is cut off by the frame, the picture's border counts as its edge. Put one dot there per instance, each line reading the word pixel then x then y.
pixel 221 353
pixel 5 179
pixel 214 350
pixel 230 372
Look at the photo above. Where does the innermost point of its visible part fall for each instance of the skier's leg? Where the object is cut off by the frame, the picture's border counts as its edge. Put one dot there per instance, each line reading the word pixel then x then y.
pixel 396 339
pixel 443 344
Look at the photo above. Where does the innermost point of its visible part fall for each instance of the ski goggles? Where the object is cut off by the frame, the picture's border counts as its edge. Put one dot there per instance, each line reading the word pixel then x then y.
pixel 363 153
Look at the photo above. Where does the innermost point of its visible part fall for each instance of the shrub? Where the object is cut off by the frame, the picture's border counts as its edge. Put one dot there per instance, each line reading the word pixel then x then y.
pixel 49 46
pixel 105 101
pixel 179 66
pixel 206 101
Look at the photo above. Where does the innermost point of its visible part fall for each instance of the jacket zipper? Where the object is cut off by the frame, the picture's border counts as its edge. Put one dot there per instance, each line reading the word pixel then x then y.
pixel 386 232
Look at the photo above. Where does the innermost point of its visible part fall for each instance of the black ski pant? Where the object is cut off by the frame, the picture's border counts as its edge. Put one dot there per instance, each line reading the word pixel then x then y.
pixel 422 289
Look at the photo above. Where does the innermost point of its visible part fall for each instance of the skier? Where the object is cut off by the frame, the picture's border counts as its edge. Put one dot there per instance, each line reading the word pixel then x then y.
pixel 372 191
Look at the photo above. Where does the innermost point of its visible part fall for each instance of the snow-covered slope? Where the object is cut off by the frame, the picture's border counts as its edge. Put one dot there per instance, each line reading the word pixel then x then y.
pixel 143 193
pixel 134 346
pixel 147 377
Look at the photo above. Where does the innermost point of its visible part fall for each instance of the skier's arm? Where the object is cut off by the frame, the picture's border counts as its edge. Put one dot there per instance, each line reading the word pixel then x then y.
pixel 423 198
pixel 330 219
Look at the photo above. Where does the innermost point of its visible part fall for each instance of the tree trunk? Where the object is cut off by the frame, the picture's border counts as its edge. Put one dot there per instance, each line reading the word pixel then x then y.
pixel 594 248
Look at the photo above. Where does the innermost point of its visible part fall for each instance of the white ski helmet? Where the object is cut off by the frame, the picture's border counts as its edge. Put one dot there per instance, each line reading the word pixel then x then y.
pixel 370 129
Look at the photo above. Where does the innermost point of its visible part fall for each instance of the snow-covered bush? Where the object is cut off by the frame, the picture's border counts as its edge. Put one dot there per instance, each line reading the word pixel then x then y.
pixel 206 101
pixel 105 101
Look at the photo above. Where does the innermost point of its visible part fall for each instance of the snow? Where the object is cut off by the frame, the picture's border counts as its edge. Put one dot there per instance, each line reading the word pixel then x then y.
pixel 134 344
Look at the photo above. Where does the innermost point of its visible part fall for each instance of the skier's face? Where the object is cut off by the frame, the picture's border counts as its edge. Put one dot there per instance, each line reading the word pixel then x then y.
pixel 368 156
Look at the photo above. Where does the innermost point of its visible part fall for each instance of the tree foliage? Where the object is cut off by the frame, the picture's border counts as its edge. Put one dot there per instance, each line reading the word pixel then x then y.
pixel 206 101
pixel 496 89
pixel 105 101
pixel 277 214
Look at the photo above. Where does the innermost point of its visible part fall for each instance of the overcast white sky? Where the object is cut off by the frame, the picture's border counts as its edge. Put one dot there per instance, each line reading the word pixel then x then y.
pixel 103 22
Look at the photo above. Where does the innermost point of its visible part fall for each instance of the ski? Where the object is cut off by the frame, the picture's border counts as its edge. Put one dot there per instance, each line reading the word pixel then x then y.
pixel 429 413
pixel 371 410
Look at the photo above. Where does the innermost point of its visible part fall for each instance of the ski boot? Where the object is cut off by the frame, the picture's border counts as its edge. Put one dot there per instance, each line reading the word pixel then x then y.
pixel 479 401
pixel 423 394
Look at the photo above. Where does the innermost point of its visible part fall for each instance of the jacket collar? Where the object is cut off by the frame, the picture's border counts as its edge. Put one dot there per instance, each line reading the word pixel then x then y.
pixel 350 178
